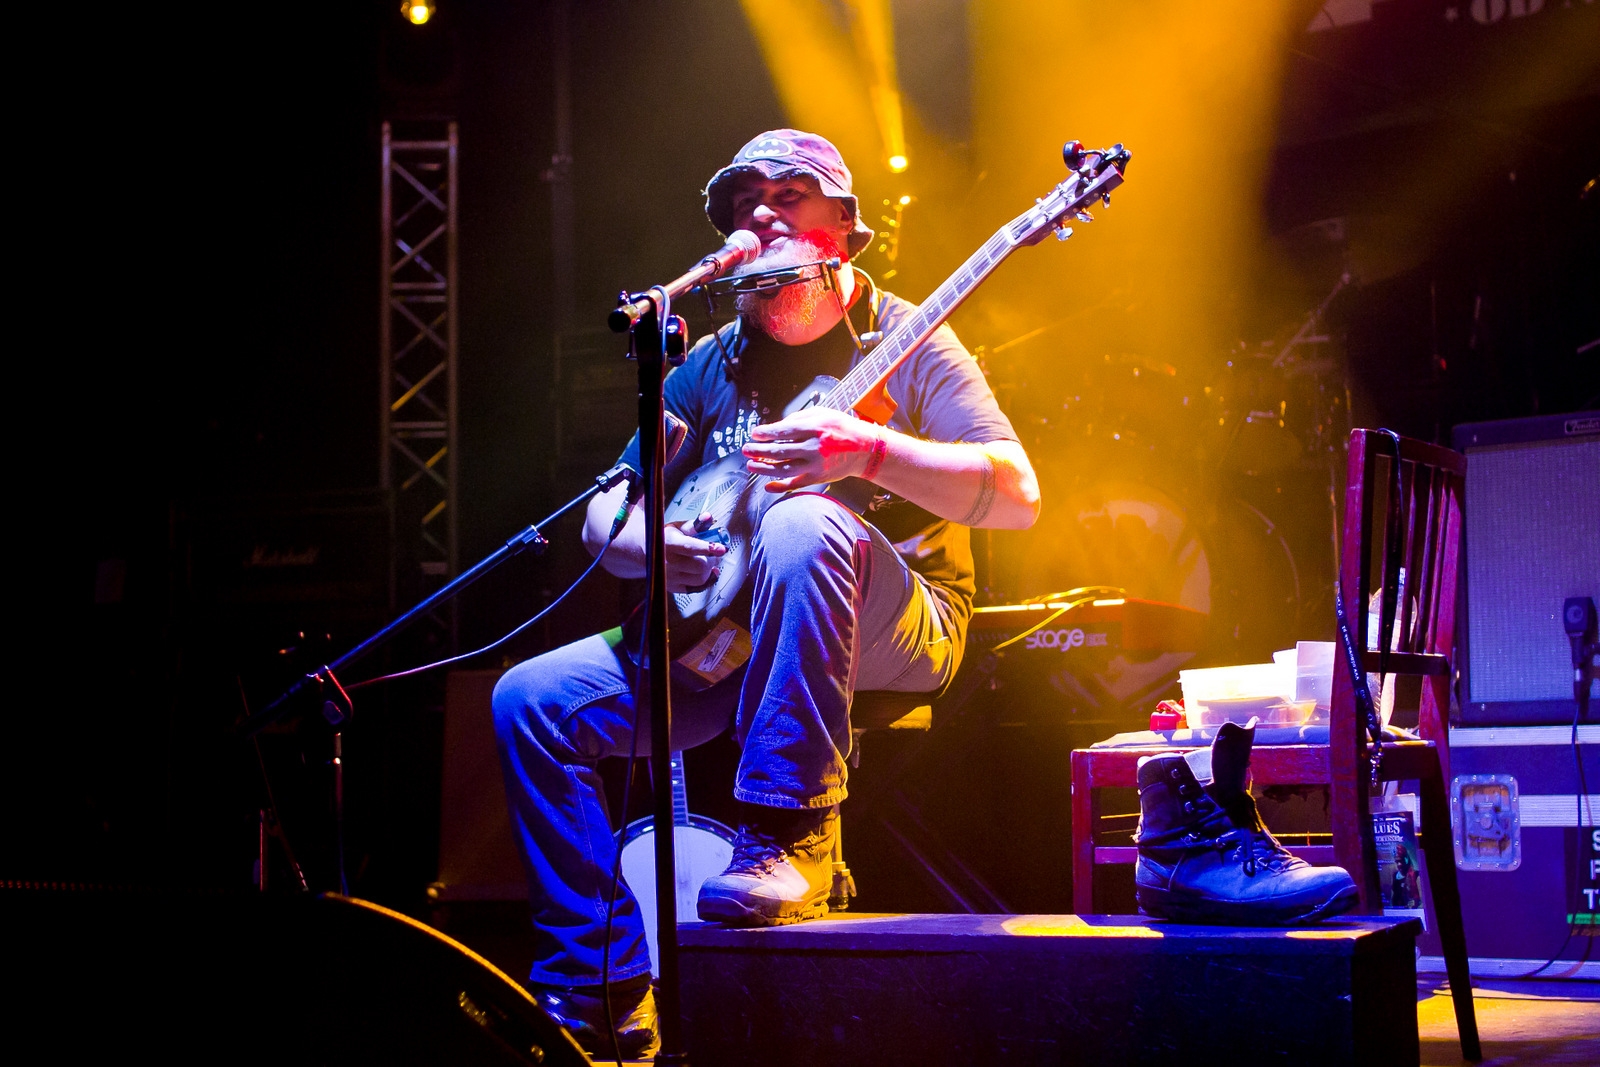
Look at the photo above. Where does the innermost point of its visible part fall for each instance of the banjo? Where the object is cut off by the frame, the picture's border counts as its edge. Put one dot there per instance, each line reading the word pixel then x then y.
pixel 701 849
pixel 707 645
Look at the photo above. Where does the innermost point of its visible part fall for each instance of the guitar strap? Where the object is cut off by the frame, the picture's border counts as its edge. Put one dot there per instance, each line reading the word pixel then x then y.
pixel 873 301
pixel 730 360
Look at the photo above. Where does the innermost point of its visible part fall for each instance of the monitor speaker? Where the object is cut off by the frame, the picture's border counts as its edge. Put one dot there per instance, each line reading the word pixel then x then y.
pixel 104 974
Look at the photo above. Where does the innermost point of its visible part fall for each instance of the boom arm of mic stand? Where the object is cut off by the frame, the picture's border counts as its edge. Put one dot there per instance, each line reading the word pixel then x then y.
pixel 635 307
pixel 528 537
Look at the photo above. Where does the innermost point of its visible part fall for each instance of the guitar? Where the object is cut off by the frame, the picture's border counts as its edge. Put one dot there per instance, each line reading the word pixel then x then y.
pixel 707 645
pixel 701 849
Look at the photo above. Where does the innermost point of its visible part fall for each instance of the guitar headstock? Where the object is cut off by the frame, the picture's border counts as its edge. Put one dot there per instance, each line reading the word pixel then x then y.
pixel 1095 173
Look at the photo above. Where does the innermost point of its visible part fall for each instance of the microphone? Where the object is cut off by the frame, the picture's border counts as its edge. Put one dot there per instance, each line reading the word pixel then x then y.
pixel 1578 616
pixel 742 247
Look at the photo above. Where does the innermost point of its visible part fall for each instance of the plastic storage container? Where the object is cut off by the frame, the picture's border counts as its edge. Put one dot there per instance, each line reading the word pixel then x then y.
pixel 1311 663
pixel 1264 691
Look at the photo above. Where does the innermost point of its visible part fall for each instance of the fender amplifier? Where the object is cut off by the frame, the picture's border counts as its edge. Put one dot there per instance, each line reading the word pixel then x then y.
pixel 1532 539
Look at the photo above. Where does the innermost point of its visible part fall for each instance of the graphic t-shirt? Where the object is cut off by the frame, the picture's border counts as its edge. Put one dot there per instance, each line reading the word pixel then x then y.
pixel 740 378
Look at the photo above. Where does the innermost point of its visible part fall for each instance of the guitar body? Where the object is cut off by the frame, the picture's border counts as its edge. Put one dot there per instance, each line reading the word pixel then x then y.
pixel 702 849
pixel 736 500
pixel 707 646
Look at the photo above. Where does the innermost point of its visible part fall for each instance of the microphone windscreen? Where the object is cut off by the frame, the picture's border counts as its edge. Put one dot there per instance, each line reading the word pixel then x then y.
pixel 749 246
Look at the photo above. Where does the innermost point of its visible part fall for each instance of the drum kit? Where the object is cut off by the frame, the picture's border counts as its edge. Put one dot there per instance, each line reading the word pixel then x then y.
pixel 1211 488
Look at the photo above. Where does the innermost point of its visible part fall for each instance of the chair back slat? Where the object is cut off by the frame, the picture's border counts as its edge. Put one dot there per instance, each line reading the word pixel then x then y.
pixel 1428 587
pixel 1389 548
pixel 1434 714
pixel 1412 480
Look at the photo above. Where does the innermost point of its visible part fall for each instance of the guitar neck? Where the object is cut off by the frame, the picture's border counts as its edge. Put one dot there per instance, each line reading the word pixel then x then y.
pixel 680 792
pixel 868 375
pixel 1093 181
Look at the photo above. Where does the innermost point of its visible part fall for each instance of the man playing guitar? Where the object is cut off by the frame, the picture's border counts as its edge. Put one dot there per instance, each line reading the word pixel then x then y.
pixel 834 602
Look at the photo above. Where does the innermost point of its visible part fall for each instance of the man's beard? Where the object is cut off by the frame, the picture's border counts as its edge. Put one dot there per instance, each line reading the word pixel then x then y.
pixel 792 310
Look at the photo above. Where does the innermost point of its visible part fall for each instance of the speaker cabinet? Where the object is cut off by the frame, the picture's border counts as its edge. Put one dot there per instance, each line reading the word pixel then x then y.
pixel 1532 539
pixel 477 849
pixel 191 977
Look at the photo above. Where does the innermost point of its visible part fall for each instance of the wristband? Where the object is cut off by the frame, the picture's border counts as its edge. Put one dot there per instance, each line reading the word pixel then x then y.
pixel 880 448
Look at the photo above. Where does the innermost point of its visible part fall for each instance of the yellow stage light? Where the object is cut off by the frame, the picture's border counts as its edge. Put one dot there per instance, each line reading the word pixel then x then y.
pixel 824 60
pixel 1196 99
pixel 417 11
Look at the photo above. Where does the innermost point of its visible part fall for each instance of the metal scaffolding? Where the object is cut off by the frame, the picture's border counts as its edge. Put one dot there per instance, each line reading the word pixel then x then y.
pixel 417 342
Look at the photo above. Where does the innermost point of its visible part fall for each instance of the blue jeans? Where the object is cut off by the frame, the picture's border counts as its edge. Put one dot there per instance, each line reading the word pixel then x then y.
pixel 833 608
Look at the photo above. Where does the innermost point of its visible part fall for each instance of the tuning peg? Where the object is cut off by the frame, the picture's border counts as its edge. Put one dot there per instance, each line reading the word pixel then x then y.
pixel 1105 198
pixel 1072 154
pixel 1063 232
pixel 1083 216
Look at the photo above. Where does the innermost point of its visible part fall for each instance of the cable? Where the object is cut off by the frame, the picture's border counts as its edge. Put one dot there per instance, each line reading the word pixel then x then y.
pixel 1102 592
pixel 616 862
pixel 493 644
pixel 1582 796
pixel 278 829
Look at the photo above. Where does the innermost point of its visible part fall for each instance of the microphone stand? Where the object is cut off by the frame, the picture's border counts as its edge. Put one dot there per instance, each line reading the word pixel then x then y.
pixel 337 706
pixel 657 338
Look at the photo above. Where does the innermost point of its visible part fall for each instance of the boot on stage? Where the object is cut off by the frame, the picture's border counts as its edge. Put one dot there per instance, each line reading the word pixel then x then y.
pixel 781 872
pixel 1206 857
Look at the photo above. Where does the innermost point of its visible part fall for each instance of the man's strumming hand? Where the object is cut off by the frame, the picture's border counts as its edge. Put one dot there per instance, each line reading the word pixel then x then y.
pixel 814 447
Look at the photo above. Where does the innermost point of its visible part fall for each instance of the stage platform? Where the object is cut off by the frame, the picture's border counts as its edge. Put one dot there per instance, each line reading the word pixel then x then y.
pixel 1049 989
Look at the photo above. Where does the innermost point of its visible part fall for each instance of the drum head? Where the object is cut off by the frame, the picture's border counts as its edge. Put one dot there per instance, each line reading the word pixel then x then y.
pixel 1119 533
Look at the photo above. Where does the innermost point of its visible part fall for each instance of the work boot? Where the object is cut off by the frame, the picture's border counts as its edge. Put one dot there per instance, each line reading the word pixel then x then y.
pixel 1206 857
pixel 781 871
pixel 582 1011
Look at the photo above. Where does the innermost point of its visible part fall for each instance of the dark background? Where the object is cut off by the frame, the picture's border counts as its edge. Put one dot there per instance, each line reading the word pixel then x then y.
pixel 199 264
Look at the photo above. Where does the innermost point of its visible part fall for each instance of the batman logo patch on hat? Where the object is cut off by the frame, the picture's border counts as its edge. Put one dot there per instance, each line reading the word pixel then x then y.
pixel 768 147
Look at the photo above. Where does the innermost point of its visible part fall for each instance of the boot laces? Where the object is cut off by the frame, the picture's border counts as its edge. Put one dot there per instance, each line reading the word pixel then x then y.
pixel 1257 849
pixel 754 851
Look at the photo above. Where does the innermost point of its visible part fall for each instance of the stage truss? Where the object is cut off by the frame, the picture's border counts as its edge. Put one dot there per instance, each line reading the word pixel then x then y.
pixel 418 347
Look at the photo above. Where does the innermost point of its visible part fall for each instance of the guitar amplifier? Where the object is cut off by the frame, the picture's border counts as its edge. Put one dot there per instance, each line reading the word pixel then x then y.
pixel 252 573
pixel 1530 541
pixel 255 566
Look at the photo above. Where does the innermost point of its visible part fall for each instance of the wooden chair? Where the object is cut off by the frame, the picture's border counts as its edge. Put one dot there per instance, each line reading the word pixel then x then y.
pixel 1402 511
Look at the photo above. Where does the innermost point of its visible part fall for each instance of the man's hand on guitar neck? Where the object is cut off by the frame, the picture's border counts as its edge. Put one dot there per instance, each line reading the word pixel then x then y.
pixel 987 485
pixel 690 561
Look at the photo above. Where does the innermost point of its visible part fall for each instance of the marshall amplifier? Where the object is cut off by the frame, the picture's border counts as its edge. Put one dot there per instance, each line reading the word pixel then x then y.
pixel 254 575
pixel 1532 539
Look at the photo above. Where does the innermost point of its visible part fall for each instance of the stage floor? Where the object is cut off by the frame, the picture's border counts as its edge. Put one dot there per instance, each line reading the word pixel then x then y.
pixel 1521 1023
